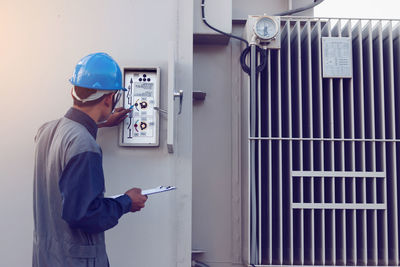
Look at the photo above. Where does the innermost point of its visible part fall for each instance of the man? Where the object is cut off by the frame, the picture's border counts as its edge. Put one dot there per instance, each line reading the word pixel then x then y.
pixel 70 210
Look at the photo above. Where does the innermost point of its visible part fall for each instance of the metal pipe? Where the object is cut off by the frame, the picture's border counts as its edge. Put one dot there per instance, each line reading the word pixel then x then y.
pixel 253 204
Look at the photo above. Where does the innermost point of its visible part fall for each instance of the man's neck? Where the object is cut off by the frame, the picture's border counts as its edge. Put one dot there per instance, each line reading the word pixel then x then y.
pixel 92 112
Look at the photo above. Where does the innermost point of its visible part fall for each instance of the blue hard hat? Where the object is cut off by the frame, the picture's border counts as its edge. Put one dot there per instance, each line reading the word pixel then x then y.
pixel 98 71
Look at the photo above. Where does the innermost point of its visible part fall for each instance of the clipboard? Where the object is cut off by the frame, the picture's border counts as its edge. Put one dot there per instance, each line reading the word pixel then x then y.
pixel 157 190
pixel 152 191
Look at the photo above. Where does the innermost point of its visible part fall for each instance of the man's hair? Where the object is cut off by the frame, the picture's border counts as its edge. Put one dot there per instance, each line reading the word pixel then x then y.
pixel 84 93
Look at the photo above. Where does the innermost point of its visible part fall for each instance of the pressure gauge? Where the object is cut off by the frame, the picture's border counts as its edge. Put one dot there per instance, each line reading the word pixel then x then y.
pixel 266 28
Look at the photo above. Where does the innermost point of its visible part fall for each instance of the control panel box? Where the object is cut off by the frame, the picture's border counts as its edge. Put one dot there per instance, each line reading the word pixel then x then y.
pixel 141 127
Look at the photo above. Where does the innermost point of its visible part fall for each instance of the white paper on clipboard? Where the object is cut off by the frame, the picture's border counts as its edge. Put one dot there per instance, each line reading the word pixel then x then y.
pixel 152 191
pixel 157 190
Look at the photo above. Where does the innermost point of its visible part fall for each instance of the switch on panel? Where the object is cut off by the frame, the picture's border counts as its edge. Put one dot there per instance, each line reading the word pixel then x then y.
pixel 141 127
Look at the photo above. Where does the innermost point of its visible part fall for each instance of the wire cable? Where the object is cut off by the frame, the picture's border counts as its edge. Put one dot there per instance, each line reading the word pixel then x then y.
pixel 244 52
pixel 203 17
pixel 263 59
pixel 301 9
pixel 261 51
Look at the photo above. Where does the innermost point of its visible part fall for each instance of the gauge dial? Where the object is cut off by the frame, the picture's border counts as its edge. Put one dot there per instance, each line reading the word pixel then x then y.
pixel 266 28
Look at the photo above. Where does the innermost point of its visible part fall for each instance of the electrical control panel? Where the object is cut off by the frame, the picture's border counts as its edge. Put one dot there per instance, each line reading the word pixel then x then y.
pixel 141 127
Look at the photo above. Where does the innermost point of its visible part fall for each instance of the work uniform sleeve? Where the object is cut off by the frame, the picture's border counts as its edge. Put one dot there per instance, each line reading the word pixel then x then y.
pixel 82 188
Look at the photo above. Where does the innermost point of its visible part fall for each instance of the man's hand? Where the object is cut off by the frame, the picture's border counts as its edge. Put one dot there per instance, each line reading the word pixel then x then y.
pixel 115 118
pixel 137 198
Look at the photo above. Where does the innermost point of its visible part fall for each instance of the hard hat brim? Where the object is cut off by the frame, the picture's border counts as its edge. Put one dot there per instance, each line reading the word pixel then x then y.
pixel 96 88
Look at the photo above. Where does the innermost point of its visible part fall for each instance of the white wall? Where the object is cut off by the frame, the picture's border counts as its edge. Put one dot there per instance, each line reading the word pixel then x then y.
pixel 241 9
pixel 217 13
pixel 212 150
pixel 41 41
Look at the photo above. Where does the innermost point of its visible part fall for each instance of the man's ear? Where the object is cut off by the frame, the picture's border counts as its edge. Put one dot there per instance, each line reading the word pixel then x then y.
pixel 108 100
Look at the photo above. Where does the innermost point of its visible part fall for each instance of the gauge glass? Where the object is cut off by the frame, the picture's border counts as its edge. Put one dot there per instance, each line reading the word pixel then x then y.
pixel 266 28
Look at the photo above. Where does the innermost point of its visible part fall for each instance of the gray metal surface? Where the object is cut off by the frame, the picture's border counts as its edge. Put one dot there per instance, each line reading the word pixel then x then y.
pixel 130 31
pixel 327 148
